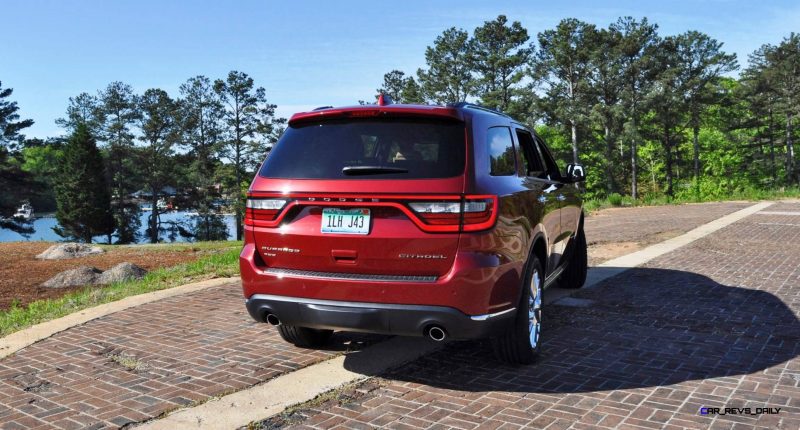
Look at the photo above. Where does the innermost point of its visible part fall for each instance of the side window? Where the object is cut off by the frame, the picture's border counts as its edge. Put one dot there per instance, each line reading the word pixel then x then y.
pixel 501 151
pixel 550 164
pixel 531 161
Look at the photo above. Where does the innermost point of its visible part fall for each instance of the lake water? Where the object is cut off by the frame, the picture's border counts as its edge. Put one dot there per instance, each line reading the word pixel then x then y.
pixel 44 229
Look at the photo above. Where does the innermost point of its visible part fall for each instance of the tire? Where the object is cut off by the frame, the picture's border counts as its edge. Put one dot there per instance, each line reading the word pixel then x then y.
pixel 522 343
pixel 574 275
pixel 304 337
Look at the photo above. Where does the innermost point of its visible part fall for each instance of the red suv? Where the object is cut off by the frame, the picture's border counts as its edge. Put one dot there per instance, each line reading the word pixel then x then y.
pixel 438 221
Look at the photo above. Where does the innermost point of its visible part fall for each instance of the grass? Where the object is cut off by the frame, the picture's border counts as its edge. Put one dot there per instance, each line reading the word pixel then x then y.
pixel 222 263
pixel 129 362
pixel 616 200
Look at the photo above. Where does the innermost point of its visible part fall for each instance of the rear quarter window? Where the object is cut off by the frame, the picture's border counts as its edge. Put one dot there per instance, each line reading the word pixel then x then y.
pixel 403 148
pixel 501 151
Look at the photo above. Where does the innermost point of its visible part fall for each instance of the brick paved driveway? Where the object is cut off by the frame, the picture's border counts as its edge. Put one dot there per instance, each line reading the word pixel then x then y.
pixel 142 362
pixel 713 324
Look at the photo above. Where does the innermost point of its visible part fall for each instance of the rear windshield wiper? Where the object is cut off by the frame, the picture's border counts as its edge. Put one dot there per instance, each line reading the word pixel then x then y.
pixel 371 170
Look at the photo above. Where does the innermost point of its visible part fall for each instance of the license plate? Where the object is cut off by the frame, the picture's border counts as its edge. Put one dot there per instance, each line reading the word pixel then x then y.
pixel 345 221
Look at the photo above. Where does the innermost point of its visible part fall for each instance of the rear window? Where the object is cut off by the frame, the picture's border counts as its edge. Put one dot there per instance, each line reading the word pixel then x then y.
pixel 349 149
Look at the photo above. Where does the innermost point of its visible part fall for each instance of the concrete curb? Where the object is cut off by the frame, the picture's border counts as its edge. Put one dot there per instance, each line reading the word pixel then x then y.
pixel 262 401
pixel 18 340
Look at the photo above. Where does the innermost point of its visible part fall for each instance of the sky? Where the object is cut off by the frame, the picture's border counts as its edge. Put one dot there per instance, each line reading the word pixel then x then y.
pixel 304 53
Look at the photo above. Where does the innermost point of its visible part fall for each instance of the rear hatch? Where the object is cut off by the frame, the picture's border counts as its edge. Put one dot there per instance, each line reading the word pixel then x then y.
pixel 377 196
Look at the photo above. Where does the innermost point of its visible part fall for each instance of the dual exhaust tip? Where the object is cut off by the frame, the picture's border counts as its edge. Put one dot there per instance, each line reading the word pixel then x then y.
pixel 273 319
pixel 434 332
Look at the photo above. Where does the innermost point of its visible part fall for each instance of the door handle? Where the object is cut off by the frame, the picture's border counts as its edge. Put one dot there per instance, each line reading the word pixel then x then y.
pixel 560 197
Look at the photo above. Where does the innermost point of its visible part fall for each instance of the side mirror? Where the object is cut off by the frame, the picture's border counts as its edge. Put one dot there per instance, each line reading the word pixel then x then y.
pixel 575 173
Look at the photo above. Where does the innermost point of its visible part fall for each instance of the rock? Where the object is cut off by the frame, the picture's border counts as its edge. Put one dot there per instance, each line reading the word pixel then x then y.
pixel 69 250
pixel 121 272
pixel 83 275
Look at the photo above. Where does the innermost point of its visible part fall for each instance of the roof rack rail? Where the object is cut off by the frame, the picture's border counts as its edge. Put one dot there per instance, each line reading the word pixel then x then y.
pixel 476 106
pixel 321 108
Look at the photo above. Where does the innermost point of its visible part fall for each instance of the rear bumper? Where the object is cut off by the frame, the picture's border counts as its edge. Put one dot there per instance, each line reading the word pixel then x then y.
pixel 404 320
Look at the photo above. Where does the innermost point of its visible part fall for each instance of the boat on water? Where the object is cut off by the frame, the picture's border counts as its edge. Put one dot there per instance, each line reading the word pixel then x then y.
pixel 24 213
pixel 162 206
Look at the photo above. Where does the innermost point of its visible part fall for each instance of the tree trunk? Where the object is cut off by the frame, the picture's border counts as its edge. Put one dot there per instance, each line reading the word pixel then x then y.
pixel 696 133
pixel 153 217
pixel 668 148
pixel 789 150
pixel 238 193
pixel 574 128
pixel 772 148
pixel 634 158
pixel 610 183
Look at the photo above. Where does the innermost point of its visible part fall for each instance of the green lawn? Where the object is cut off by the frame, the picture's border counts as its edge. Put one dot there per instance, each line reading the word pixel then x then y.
pixel 223 262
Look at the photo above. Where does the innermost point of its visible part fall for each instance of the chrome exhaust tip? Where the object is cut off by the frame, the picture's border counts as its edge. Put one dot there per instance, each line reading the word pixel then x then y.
pixel 273 319
pixel 437 333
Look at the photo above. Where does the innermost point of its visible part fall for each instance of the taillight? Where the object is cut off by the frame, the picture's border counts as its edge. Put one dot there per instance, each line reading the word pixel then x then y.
pixel 438 213
pixel 262 209
pixel 473 213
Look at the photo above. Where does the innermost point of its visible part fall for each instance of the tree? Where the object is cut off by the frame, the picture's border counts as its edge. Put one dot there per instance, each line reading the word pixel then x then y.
pixel 400 88
pixel 83 109
pixel 160 131
pixel 268 131
pixel 499 54
pixel 668 102
pixel 562 65
pixel 759 94
pixel 394 83
pixel 41 160
pixel 119 112
pixel 412 92
pixel 242 116
pixel 704 62
pixel 448 78
pixel 10 123
pixel 784 65
pixel 202 127
pixel 13 181
pixel 84 205
pixel 605 87
pixel 638 41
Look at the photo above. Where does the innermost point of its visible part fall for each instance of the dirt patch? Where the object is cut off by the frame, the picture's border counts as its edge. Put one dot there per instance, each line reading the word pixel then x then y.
pixel 21 274
pixel 601 252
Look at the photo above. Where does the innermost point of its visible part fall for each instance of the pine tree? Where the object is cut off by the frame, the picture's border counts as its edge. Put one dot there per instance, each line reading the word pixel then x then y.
pixel 84 204
pixel 499 53
pixel 448 78
pixel 159 127
pixel 562 64
pixel 242 115
pixel 119 110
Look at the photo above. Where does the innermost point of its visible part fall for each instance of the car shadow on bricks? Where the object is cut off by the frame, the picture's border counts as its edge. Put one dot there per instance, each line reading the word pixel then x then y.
pixel 645 328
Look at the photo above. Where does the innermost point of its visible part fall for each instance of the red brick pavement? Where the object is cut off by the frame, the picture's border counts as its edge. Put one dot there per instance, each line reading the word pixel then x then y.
pixel 713 324
pixel 142 362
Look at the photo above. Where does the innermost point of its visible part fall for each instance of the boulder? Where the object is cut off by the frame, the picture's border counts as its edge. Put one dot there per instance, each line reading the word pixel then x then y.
pixel 121 272
pixel 83 275
pixel 69 250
